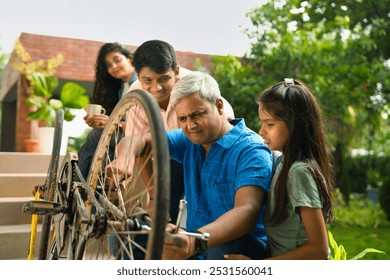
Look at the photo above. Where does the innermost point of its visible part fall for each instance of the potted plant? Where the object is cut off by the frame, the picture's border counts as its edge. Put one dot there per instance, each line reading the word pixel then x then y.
pixel 44 106
pixel 40 74
pixel 72 96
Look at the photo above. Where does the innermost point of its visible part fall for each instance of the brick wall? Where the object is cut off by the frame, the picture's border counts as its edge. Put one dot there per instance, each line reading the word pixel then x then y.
pixel 80 55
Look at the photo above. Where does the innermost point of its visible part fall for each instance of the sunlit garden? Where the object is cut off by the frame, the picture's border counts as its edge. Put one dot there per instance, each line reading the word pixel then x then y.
pixel 342 51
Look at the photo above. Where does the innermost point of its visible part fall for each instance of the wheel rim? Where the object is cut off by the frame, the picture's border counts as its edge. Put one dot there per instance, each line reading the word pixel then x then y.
pixel 144 191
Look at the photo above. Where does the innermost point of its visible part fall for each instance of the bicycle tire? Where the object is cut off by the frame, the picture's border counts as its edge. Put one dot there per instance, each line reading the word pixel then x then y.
pixel 59 244
pixel 155 164
pixel 51 181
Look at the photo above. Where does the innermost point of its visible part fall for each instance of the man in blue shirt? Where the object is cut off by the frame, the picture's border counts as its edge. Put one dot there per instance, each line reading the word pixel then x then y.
pixel 227 173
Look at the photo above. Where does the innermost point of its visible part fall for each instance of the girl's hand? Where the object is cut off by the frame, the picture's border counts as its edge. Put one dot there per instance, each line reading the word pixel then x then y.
pixel 235 257
pixel 97 121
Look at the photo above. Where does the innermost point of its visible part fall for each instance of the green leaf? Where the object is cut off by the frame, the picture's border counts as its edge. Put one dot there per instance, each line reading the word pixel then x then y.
pixel 73 96
pixel 342 253
pixel 55 104
pixel 364 252
pixel 332 242
pixel 43 86
pixel 41 114
pixel 339 251
pixel 68 116
pixel 33 101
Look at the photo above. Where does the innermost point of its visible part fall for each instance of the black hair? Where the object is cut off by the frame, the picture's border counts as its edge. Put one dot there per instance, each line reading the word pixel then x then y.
pixel 155 54
pixel 106 87
pixel 293 103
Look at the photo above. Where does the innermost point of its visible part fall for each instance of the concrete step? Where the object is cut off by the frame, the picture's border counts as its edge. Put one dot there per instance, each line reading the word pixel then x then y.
pixel 14 241
pixel 19 185
pixel 15 162
pixel 19 173
pixel 11 211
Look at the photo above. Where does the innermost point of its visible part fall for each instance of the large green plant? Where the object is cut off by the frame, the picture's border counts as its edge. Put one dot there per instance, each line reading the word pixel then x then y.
pixel 240 85
pixel 72 96
pixel 43 85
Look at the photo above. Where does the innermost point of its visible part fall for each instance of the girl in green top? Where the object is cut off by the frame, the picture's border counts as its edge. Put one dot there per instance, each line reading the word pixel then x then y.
pixel 300 199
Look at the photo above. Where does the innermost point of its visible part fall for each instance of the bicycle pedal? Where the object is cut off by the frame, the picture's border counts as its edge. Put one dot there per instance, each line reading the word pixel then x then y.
pixel 42 207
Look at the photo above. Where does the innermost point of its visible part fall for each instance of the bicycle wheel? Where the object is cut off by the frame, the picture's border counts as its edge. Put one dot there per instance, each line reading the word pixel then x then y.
pixel 62 222
pixel 51 181
pixel 136 206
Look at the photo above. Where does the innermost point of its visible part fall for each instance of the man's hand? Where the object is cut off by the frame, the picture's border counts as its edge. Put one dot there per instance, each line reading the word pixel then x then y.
pixel 118 170
pixel 171 251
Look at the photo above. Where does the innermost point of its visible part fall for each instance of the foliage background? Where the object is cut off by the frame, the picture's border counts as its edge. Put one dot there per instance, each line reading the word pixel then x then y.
pixel 341 49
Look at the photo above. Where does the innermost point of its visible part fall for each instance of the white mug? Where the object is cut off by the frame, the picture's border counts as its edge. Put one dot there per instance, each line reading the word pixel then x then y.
pixel 93 109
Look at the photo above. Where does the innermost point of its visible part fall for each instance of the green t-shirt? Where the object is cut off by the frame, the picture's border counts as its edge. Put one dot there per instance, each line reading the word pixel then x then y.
pixel 302 191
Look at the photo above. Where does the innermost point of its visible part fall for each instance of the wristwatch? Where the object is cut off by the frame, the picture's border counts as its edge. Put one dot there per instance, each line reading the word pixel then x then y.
pixel 201 245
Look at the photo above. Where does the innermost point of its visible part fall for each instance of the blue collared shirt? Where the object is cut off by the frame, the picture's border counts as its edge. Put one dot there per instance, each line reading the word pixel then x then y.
pixel 239 158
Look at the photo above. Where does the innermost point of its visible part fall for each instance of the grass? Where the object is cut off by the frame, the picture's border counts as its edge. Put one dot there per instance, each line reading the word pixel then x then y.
pixel 360 224
pixel 356 239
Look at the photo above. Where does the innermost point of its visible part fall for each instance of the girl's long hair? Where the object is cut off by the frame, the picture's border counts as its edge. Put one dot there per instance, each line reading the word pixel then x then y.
pixel 295 104
pixel 106 87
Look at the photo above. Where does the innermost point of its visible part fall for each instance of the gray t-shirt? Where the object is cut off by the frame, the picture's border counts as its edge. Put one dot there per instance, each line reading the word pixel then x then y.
pixel 302 191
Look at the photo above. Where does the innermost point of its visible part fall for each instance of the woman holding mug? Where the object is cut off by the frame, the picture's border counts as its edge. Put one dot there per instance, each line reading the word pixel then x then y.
pixel 114 73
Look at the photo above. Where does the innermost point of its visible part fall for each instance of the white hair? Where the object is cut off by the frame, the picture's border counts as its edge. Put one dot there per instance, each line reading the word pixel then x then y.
pixel 202 84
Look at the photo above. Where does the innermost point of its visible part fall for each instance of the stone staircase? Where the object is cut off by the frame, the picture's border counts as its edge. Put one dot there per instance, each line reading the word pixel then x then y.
pixel 19 173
